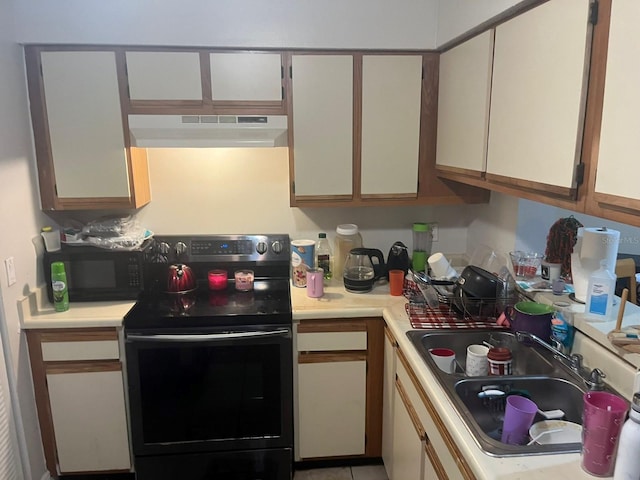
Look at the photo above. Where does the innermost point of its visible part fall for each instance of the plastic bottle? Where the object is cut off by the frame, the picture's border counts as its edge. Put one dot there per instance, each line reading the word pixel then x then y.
pixel 628 456
pixel 324 258
pixel 347 238
pixel 562 331
pixel 602 285
pixel 59 286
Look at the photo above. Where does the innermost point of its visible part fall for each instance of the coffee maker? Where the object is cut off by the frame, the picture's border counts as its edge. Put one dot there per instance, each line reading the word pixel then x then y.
pixel 398 258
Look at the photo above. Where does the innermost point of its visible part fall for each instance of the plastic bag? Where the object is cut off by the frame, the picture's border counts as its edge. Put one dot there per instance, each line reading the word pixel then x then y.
pixel 116 233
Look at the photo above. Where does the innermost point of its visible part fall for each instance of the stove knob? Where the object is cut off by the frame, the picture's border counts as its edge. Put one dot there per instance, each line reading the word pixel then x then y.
pixel 276 247
pixel 261 248
pixel 163 248
pixel 181 248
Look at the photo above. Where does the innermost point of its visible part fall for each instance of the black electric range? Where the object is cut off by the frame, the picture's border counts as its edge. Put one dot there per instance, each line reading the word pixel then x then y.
pixel 209 372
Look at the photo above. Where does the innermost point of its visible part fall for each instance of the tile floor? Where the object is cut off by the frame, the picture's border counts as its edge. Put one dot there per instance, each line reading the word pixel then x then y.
pixel 363 472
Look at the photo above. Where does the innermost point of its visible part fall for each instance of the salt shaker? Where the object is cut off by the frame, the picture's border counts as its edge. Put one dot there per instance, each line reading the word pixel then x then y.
pixel 627 465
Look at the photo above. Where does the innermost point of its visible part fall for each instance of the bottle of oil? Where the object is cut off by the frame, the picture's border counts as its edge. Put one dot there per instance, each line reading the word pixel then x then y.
pixel 324 259
pixel 59 285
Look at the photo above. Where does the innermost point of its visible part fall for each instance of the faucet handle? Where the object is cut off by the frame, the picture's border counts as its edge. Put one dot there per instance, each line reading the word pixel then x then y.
pixel 595 381
pixel 576 361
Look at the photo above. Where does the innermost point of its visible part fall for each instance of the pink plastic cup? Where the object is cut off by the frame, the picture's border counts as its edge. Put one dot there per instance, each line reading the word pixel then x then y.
pixel 603 416
pixel 518 417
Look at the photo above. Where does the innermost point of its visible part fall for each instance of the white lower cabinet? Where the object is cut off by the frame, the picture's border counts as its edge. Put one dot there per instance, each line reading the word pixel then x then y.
pixel 338 385
pixel 416 444
pixel 79 387
pixel 332 405
pixel 89 420
pixel 407 439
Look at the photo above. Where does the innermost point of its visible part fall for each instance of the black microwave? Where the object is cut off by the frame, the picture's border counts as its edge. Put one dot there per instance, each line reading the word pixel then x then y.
pixel 96 274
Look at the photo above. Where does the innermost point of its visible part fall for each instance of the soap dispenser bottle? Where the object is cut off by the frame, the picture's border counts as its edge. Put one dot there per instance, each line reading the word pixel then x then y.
pixel 602 285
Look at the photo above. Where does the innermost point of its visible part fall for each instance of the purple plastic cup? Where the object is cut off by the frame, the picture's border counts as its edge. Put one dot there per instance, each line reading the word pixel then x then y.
pixel 602 419
pixel 518 417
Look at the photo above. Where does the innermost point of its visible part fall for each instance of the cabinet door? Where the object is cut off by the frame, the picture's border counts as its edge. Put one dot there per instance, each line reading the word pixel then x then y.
pixel 464 93
pixel 89 419
pixel 164 76
pixel 332 400
pixel 616 179
pixel 251 76
pixel 407 443
pixel 322 101
pixel 538 96
pixel 391 93
pixel 388 395
pixel 85 124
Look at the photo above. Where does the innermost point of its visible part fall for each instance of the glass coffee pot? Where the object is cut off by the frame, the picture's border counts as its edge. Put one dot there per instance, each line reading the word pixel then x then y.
pixel 362 268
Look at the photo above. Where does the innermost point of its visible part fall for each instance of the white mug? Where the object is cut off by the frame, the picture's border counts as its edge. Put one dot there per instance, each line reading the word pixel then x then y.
pixel 477 364
pixel 444 358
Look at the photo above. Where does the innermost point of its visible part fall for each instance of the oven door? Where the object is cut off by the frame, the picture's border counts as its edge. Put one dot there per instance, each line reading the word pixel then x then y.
pixel 208 391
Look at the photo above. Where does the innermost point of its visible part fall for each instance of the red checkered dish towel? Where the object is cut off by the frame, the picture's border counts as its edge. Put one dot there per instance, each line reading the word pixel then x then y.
pixel 422 316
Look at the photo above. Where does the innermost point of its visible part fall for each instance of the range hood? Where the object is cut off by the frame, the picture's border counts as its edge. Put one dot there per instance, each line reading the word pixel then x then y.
pixel 187 131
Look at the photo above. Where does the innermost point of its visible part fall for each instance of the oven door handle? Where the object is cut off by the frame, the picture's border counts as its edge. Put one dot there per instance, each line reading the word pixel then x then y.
pixel 206 337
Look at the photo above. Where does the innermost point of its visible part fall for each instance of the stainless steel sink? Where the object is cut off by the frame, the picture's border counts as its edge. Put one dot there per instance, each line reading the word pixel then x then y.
pixel 526 361
pixel 536 374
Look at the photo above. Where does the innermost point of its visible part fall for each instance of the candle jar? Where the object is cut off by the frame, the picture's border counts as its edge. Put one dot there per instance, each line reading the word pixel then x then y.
pixel 217 279
pixel 244 280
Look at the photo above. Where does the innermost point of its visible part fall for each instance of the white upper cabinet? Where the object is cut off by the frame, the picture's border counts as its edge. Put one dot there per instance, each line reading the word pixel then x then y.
pixel 620 130
pixel 538 94
pixel 85 124
pixel 250 76
pixel 322 100
pixel 164 75
pixel 464 95
pixel 391 93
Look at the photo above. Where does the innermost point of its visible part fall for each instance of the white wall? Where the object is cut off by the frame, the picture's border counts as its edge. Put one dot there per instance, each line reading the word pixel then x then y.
pixel 455 17
pixel 252 23
pixel 21 220
pixel 246 191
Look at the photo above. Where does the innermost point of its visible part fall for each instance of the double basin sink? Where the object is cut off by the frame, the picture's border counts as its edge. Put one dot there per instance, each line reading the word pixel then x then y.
pixel 535 372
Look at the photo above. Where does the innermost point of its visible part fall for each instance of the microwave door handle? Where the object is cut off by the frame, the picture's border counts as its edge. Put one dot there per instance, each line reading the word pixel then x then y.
pixel 205 337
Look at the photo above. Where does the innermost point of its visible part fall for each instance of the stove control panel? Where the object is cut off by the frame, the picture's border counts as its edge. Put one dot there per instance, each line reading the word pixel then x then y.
pixel 218 248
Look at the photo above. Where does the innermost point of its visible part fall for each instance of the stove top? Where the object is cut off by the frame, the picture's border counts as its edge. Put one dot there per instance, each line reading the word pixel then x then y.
pixel 268 303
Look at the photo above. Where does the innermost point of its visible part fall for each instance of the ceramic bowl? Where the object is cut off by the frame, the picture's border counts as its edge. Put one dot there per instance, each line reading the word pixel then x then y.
pixel 569 432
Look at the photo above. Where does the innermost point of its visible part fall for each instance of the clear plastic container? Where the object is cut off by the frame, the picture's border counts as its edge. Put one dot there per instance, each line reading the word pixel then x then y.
pixel 347 238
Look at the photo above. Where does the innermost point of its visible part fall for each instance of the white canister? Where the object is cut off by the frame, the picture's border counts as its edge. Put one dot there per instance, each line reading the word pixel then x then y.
pixel 302 259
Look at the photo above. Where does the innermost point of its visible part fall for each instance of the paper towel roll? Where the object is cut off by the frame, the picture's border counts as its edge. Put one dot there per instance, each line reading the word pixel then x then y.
pixel 593 245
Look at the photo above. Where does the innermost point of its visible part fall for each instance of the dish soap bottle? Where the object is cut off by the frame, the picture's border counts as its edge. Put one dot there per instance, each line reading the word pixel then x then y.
pixel 602 285
pixel 627 459
pixel 323 255
pixel 59 286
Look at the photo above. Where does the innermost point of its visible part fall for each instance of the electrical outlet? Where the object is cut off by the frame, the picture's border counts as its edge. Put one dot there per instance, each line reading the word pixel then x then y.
pixel 11 270
pixel 434 232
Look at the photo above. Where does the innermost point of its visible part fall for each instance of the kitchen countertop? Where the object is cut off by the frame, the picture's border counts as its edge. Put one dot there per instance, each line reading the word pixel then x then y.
pixel 37 312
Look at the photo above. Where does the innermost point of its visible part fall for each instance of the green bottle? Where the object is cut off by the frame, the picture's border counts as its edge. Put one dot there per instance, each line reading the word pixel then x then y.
pixel 59 285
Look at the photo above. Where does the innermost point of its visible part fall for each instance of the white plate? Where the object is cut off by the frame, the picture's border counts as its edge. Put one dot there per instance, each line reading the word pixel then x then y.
pixel 570 432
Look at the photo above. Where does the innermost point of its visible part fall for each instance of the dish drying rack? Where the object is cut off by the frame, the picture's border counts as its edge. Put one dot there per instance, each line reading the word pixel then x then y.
pixel 425 293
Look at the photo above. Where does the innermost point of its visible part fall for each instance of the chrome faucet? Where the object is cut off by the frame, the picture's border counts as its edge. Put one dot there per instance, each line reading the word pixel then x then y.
pixel 593 379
